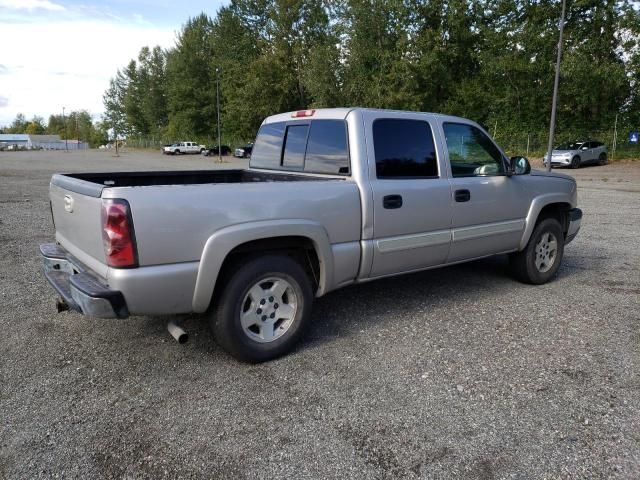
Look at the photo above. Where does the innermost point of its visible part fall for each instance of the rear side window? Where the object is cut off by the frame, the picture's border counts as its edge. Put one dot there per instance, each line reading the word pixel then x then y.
pixel 319 146
pixel 327 150
pixel 404 149
pixel 267 150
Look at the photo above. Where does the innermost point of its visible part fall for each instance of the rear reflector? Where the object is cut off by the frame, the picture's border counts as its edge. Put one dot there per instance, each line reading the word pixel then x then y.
pixel 303 113
pixel 117 234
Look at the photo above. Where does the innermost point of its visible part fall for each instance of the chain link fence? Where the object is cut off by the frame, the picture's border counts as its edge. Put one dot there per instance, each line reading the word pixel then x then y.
pixel 534 143
pixel 154 143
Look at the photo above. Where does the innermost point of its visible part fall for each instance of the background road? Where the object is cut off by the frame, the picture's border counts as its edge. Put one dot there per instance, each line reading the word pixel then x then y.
pixel 459 372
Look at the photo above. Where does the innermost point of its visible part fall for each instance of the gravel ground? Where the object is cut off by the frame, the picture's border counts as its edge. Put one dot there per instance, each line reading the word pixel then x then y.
pixel 452 373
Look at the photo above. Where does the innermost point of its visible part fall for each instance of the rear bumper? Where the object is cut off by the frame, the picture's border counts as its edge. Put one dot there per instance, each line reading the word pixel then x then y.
pixel 575 220
pixel 80 290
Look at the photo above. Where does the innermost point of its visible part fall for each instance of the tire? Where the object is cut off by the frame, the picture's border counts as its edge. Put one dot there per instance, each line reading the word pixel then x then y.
pixel 575 162
pixel 177 152
pixel 538 263
pixel 201 151
pixel 255 286
pixel 602 159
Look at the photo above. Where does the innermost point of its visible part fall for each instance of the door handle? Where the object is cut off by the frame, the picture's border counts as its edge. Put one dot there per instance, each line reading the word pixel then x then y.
pixel 462 195
pixel 392 201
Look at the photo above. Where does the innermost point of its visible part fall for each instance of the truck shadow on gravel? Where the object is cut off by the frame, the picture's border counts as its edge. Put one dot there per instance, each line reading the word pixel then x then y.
pixel 356 307
pixel 362 306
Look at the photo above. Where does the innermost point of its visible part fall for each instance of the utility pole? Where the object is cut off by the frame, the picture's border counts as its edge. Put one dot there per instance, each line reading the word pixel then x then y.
pixel 554 102
pixel 218 107
pixel 64 122
pixel 77 133
pixel 615 137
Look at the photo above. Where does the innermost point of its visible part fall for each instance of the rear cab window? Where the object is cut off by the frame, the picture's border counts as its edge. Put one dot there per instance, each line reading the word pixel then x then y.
pixel 316 146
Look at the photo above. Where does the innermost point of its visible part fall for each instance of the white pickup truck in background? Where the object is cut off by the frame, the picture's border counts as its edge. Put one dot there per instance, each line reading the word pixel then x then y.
pixel 183 147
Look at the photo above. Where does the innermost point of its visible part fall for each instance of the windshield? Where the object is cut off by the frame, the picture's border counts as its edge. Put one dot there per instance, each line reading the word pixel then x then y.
pixel 569 146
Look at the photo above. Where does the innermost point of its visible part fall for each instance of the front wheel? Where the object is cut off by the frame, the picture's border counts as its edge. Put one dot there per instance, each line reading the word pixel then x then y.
pixel 540 260
pixel 575 162
pixel 263 309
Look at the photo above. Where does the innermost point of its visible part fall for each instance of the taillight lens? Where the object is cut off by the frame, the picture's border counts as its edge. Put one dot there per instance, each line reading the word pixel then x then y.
pixel 117 234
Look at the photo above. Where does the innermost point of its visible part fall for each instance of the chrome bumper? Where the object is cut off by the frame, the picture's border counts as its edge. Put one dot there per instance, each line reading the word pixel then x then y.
pixel 575 219
pixel 80 290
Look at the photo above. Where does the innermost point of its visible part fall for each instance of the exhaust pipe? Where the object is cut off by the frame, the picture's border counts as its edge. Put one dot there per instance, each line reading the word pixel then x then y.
pixel 178 333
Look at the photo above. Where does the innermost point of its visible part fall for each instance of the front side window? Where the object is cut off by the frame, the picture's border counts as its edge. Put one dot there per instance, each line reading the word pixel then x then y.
pixel 404 149
pixel 471 152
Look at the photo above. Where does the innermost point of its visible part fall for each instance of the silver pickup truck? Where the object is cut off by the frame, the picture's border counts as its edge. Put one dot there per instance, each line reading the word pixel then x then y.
pixel 332 197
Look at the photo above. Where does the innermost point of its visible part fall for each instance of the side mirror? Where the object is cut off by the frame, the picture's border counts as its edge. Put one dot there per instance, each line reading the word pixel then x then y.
pixel 519 165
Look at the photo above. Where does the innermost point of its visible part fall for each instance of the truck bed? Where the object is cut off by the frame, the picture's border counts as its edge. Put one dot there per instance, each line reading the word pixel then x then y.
pixel 182 177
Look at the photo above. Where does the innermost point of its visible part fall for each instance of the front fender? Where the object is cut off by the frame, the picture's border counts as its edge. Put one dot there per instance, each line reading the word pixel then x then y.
pixel 536 207
pixel 222 242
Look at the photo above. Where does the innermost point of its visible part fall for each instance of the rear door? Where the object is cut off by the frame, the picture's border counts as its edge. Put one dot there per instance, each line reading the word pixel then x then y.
pixel 489 208
pixel 411 195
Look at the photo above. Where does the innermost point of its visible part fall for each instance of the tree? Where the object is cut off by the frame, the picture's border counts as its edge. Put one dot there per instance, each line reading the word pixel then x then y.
pixel 191 81
pixel 35 126
pixel 489 60
pixel 114 117
pixel 19 124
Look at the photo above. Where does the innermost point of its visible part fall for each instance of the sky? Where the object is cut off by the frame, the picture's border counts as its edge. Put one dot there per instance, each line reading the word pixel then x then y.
pixel 62 53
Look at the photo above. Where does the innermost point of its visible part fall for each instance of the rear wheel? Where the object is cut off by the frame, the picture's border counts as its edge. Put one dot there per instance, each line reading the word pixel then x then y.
pixel 602 159
pixel 575 162
pixel 263 309
pixel 540 260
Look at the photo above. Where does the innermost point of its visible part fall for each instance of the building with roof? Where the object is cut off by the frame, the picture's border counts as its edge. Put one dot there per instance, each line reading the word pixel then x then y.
pixel 24 141
pixel 14 141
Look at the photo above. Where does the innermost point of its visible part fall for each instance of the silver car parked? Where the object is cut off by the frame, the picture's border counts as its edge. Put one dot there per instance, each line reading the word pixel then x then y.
pixel 574 154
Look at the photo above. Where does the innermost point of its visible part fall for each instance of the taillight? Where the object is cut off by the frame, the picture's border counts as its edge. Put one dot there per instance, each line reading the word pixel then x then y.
pixel 303 113
pixel 117 234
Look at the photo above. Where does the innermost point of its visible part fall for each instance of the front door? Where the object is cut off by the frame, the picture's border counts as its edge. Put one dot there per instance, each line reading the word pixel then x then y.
pixel 489 207
pixel 412 200
pixel 587 152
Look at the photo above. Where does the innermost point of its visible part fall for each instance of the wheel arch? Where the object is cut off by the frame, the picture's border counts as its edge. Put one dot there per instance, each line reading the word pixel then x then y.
pixel 546 206
pixel 226 246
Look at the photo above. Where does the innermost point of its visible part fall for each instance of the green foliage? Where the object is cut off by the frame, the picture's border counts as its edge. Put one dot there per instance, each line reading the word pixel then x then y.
pixel 35 126
pixel 489 60
pixel 19 124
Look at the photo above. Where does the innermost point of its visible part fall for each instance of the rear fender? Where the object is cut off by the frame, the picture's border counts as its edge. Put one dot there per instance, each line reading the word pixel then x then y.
pixel 225 240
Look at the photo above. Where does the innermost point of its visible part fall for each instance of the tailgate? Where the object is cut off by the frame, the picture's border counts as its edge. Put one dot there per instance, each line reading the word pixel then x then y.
pixel 78 223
